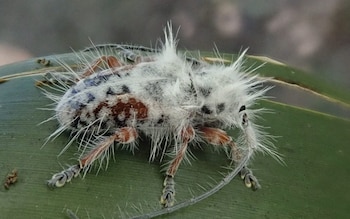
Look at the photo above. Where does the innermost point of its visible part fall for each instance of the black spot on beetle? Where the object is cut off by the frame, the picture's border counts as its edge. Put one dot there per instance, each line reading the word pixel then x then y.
pixel 103 125
pixel 75 122
pixel 141 122
pixel 220 107
pixel 83 123
pixel 77 105
pixel 242 108
pixel 155 90
pixel 245 119
pixel 95 81
pixel 117 74
pixel 206 110
pixel 191 89
pixel 161 119
pixel 74 91
pixel 125 89
pixel 90 97
pixel 119 123
pixel 110 91
pixel 205 91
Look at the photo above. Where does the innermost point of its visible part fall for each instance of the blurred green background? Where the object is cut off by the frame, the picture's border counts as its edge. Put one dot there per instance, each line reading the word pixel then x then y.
pixel 310 34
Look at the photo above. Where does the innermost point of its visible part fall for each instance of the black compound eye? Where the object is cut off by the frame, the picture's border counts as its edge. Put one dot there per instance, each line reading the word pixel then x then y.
pixel 242 108
pixel 220 107
pixel 206 110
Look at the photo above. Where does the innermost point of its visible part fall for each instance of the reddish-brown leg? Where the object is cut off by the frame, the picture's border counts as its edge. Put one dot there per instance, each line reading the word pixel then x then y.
pixel 219 137
pixel 102 62
pixel 168 196
pixel 124 135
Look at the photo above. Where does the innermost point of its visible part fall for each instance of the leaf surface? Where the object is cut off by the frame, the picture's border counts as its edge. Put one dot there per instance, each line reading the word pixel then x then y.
pixel 313 183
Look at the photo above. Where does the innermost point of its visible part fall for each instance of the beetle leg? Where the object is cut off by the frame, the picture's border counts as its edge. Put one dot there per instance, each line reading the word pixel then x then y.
pixel 168 196
pixel 219 137
pixel 102 62
pixel 124 135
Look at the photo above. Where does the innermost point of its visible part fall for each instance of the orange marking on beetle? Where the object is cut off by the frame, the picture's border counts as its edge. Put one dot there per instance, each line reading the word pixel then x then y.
pixel 126 135
pixel 125 105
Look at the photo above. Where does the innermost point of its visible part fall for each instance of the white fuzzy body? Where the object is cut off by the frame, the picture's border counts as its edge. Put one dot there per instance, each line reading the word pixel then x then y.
pixel 161 90
pixel 176 92
pixel 172 99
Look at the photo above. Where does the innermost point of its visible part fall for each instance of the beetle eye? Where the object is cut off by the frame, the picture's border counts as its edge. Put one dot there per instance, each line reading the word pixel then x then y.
pixel 242 108
pixel 206 110
pixel 220 107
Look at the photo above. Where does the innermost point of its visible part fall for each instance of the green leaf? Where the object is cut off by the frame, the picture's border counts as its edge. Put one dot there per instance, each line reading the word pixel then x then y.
pixel 313 183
